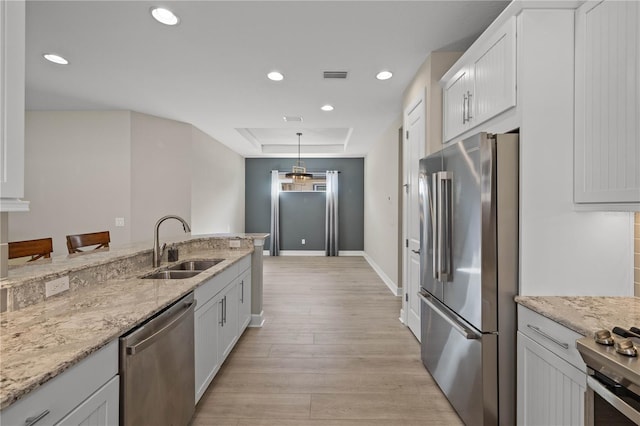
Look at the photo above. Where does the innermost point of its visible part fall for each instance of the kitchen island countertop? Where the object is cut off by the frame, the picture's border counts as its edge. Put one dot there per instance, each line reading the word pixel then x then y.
pixel 586 314
pixel 41 341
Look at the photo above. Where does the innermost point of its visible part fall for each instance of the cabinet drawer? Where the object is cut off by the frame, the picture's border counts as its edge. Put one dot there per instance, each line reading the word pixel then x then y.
pixel 551 335
pixel 244 264
pixel 214 285
pixel 65 392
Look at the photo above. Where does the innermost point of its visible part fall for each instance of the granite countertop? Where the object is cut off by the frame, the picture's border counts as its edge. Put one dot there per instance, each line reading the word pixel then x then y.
pixel 586 314
pixel 41 341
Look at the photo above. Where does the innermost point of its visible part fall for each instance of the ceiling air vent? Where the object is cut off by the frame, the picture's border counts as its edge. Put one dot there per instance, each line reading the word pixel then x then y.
pixel 335 74
pixel 294 118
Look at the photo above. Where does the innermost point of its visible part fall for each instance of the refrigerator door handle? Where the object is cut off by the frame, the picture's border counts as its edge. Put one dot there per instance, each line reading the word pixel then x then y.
pixel 468 334
pixel 435 215
pixel 443 251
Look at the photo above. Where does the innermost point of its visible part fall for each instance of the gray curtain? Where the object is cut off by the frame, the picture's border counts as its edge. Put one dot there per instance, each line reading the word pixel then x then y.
pixel 274 246
pixel 331 223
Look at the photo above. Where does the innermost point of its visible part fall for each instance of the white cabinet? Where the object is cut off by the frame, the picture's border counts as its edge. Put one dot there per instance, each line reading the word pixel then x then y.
pixel 484 86
pixel 217 324
pixel 100 409
pixel 228 336
pixel 86 393
pixel 12 103
pixel 607 102
pixel 244 288
pixel 551 378
pixel 206 330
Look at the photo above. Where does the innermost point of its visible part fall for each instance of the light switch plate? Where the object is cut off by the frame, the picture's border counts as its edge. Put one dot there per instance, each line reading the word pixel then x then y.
pixel 56 286
pixel 234 243
pixel 119 221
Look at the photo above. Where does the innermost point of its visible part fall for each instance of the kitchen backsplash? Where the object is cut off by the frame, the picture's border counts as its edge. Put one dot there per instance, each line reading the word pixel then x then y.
pixel 636 255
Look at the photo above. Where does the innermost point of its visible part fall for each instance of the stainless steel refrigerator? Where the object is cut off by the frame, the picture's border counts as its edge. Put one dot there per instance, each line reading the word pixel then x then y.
pixel 469 274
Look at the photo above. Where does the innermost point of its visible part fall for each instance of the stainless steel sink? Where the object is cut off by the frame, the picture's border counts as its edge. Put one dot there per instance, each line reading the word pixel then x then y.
pixel 195 265
pixel 171 275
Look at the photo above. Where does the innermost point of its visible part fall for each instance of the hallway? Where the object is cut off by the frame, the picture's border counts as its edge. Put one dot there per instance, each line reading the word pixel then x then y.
pixel 331 352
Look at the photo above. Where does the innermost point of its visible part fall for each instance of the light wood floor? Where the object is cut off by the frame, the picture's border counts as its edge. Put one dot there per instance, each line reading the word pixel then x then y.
pixel 332 352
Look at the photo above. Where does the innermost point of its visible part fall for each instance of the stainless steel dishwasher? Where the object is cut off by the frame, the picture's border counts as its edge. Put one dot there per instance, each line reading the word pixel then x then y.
pixel 157 380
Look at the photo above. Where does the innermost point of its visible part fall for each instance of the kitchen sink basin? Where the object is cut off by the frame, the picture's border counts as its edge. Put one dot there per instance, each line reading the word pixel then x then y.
pixel 195 265
pixel 171 275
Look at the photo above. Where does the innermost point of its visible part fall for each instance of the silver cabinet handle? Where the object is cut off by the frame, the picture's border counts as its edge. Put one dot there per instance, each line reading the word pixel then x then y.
pixel 132 350
pixel 224 309
pixel 469 96
pixel 548 337
pixel 222 312
pixel 468 334
pixel 416 251
pixel 464 108
pixel 30 421
pixel 242 291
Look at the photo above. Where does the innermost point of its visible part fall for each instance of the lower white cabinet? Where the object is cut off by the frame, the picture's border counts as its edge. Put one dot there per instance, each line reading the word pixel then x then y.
pixel 551 382
pixel 85 394
pixel 220 317
pixel 244 287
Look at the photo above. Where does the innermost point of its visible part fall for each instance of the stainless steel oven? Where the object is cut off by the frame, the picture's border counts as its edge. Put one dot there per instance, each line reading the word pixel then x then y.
pixel 610 403
pixel 612 396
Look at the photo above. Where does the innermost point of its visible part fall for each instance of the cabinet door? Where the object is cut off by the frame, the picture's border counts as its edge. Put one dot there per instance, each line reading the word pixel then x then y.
pixel 550 390
pixel 100 409
pixel 206 330
pixel 494 75
pixel 244 313
pixel 12 84
pixel 455 96
pixel 607 129
pixel 229 324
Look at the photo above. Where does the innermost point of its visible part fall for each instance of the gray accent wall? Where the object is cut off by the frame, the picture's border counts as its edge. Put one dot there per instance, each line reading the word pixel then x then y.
pixel 302 214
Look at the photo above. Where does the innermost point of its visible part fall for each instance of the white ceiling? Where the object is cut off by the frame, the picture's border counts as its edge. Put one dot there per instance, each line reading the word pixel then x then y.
pixel 210 70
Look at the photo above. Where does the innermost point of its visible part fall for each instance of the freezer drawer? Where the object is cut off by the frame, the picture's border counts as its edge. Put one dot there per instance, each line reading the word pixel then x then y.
pixel 462 361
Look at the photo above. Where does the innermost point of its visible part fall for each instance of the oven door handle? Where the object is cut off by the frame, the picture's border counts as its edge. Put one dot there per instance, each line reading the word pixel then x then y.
pixel 612 399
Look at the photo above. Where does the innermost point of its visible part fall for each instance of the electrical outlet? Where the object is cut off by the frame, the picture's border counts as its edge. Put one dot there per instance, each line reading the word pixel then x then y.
pixel 119 221
pixel 234 243
pixel 56 286
pixel 304 241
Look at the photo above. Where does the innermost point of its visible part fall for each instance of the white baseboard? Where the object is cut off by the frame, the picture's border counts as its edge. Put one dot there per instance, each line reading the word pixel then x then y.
pixel 301 252
pixel 402 316
pixel 385 278
pixel 257 320
pixel 315 253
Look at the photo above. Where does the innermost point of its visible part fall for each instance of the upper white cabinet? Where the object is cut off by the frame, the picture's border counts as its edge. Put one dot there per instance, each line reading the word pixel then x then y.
pixel 483 87
pixel 607 106
pixel 12 104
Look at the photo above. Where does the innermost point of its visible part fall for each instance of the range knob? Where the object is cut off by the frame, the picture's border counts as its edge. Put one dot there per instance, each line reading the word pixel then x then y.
pixel 625 347
pixel 603 337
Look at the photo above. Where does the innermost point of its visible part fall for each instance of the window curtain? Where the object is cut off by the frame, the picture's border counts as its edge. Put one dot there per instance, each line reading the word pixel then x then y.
pixel 274 245
pixel 331 221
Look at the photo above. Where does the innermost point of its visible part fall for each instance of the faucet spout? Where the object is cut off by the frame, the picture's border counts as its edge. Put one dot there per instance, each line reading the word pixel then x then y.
pixel 157 250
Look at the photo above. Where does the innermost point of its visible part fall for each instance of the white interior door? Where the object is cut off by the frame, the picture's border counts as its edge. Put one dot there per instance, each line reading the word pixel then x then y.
pixel 413 151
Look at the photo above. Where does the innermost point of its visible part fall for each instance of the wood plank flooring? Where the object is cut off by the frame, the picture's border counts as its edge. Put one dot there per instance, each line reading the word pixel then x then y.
pixel 332 352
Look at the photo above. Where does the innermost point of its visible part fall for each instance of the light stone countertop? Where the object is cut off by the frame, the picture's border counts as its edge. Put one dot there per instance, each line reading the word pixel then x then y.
pixel 586 314
pixel 41 341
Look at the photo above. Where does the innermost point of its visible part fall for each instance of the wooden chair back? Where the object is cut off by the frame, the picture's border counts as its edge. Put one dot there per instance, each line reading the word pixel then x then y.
pixel 98 239
pixel 40 248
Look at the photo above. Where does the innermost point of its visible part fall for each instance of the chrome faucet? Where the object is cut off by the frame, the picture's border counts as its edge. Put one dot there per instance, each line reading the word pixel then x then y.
pixel 157 250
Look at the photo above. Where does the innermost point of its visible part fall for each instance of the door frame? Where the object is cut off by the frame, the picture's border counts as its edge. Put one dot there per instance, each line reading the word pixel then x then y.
pixel 404 190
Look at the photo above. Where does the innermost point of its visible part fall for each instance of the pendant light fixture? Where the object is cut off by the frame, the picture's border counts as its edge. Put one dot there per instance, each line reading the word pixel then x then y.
pixel 299 171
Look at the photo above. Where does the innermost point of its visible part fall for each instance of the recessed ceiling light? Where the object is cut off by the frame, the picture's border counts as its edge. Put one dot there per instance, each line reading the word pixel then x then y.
pixel 275 76
pixel 56 59
pixel 164 16
pixel 327 107
pixel 384 75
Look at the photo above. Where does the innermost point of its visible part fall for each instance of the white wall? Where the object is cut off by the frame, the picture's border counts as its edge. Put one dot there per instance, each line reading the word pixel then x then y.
pixel 217 186
pixel 85 168
pixel 381 226
pixel 562 251
pixel 77 168
pixel 160 175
